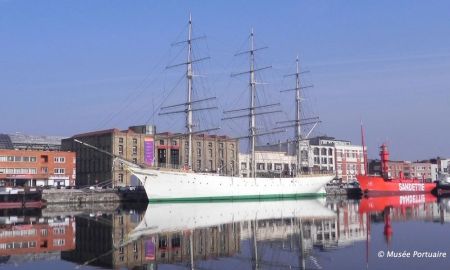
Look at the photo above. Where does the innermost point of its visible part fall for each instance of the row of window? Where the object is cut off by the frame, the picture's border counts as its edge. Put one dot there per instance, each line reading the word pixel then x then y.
pixel 134 150
pixel 28 159
pixel 211 167
pixel 121 140
pixel 323 160
pixel 17 159
pixel 18 170
pixel 17 245
pixel 29 232
pixel 32 170
pixel 323 151
pixel 199 144
pixel 266 166
pixel 210 153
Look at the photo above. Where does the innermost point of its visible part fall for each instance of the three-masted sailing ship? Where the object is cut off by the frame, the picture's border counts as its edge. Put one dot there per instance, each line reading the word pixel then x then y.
pixel 162 185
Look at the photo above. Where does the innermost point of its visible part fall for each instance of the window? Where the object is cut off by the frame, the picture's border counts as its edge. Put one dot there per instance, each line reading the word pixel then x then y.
pixel 44 170
pixel 232 153
pixel 134 150
pixel 32 159
pixel 17 159
pixel 59 230
pixel 210 144
pixel 243 165
pixel 120 140
pixel 59 160
pixel 120 149
pixel 210 165
pixel 26 159
pixel 330 161
pixel 210 152
pixel 221 145
pixel 260 166
pixel 135 247
pixel 59 242
pixel 199 165
pixel 232 146
pixel 323 151
pixel 59 170
pixel 134 141
pixel 199 144
pixel 316 151
pixel 221 153
pixel 174 143
pixel 199 152
pixel 161 142
pixel 3 159
pixel 121 177
pixel 330 152
pixel 316 160
pixel 269 166
pixel 135 160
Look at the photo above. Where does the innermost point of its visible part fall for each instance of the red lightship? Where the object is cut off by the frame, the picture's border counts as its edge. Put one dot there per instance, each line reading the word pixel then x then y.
pixel 384 185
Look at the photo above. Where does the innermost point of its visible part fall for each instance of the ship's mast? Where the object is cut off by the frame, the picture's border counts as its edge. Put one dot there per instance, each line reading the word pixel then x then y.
pixel 252 123
pixel 298 130
pixel 252 109
pixel 298 122
pixel 189 93
pixel 188 109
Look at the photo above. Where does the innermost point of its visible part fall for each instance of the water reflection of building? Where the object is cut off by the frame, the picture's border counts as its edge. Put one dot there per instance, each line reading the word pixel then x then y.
pixel 31 235
pixel 103 241
pixel 351 225
pixel 316 232
pixel 211 242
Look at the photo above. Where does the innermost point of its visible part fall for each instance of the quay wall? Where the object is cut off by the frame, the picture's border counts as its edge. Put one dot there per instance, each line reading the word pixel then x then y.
pixel 75 196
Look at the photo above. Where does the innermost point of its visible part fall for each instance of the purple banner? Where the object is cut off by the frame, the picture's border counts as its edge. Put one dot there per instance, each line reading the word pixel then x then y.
pixel 148 151
pixel 149 249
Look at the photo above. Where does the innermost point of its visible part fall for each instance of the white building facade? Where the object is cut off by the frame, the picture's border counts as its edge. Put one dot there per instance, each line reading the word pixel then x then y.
pixel 320 154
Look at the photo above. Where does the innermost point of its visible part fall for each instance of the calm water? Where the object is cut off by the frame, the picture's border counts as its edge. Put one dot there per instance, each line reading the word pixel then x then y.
pixel 295 234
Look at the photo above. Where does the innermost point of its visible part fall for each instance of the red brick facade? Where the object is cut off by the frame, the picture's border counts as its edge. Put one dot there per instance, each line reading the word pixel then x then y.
pixel 37 168
pixel 37 237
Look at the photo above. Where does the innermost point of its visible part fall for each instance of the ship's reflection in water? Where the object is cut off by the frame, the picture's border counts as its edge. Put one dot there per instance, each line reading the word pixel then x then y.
pixel 332 233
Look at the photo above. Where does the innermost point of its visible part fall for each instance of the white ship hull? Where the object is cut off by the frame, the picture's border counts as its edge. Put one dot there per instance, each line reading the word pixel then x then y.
pixel 170 185
pixel 173 217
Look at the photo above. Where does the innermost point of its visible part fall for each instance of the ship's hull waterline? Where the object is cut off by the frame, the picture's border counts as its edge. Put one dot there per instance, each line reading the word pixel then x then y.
pixel 185 186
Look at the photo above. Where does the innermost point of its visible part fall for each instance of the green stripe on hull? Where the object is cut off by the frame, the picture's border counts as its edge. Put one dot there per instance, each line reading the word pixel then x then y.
pixel 241 198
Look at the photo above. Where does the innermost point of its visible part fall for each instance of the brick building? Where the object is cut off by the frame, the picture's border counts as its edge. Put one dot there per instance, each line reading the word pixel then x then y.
pixel 210 153
pixel 407 169
pixel 136 144
pixel 37 168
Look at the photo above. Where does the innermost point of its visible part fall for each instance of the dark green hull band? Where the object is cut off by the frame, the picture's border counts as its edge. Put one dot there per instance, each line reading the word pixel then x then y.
pixel 272 197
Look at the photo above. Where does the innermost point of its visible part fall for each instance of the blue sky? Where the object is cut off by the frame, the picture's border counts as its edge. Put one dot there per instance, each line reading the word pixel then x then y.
pixel 73 66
